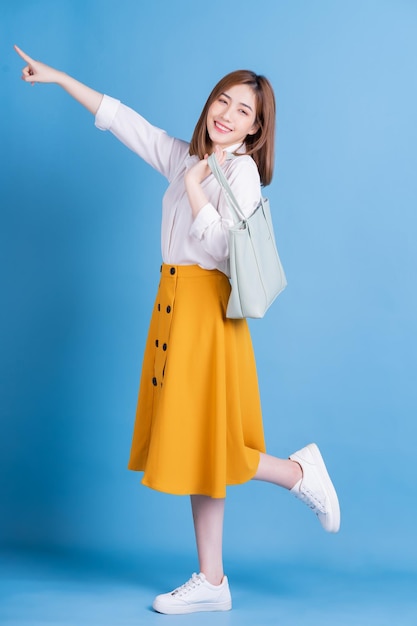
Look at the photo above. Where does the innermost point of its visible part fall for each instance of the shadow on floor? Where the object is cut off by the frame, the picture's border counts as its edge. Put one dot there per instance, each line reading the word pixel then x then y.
pixel 72 590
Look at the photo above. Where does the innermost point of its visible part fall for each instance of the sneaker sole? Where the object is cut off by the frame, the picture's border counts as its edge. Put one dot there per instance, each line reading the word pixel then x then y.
pixel 328 487
pixel 191 608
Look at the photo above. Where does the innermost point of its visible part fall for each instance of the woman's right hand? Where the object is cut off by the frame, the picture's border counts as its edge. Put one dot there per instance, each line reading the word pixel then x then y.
pixel 37 72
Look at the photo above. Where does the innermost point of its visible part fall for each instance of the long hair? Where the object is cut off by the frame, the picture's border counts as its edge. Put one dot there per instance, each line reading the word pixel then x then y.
pixel 260 145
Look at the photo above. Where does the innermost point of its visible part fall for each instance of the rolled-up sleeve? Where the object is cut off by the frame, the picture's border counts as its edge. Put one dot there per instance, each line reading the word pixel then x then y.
pixel 212 231
pixel 106 112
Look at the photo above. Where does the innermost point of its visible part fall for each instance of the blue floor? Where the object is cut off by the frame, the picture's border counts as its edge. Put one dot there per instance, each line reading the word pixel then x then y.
pixel 38 590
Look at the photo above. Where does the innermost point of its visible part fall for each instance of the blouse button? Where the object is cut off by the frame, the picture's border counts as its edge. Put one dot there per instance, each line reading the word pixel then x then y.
pixel 168 309
pixel 156 342
pixel 159 307
pixel 164 347
pixel 154 381
pixel 172 270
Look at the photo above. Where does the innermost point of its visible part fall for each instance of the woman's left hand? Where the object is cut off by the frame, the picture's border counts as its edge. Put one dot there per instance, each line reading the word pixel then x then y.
pixel 201 169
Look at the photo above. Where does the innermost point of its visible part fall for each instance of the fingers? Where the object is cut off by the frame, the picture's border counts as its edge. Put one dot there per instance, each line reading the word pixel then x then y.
pixel 28 75
pixel 22 54
pixel 27 72
pixel 220 154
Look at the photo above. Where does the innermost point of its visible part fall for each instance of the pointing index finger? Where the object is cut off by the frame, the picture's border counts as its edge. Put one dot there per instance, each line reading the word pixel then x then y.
pixel 22 54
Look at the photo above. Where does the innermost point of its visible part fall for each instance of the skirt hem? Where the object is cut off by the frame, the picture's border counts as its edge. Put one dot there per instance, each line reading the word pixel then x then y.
pixel 202 492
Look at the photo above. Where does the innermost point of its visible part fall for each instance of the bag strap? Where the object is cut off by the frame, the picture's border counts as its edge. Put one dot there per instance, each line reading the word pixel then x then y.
pixel 221 178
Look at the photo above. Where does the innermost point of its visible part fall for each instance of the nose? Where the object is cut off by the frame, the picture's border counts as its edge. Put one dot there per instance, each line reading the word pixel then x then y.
pixel 226 113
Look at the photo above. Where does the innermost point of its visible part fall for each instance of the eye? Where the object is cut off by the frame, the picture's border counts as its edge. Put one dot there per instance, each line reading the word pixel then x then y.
pixel 223 100
pixel 243 111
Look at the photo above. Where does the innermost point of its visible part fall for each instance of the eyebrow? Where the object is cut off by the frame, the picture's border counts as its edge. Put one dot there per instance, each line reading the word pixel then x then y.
pixel 242 104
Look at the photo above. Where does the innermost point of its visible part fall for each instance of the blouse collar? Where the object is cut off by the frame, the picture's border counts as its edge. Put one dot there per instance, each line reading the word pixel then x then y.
pixel 240 148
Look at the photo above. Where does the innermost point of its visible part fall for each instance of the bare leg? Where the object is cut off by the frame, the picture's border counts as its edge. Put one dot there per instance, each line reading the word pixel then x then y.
pixel 208 515
pixel 282 472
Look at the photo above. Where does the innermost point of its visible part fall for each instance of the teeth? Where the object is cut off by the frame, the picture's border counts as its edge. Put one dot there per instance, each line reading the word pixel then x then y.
pixel 222 127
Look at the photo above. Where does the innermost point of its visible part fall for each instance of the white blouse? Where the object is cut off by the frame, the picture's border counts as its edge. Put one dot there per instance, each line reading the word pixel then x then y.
pixel 184 240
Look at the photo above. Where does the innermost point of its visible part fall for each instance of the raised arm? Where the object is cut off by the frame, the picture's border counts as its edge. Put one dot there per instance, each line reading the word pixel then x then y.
pixel 37 72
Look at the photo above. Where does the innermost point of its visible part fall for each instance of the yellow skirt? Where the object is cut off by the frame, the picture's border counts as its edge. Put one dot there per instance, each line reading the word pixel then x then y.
pixel 198 422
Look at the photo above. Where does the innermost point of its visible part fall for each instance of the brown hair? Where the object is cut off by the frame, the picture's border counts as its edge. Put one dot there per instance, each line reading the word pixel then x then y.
pixel 259 145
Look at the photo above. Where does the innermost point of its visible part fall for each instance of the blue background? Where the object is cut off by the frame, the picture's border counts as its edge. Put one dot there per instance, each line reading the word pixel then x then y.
pixel 80 255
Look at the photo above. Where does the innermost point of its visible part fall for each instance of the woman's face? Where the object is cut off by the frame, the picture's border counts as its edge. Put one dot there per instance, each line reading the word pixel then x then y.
pixel 232 116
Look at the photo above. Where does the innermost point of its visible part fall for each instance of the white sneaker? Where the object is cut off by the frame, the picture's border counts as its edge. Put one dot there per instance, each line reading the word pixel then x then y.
pixel 315 487
pixel 197 594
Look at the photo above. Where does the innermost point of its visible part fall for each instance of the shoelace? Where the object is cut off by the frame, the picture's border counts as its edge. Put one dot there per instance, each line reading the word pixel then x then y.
pixel 311 500
pixel 191 584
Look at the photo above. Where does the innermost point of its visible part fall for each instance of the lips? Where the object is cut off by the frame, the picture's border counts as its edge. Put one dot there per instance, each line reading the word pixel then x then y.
pixel 221 128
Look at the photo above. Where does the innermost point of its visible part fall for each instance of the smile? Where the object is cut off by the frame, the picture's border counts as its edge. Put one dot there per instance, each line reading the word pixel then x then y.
pixel 221 128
